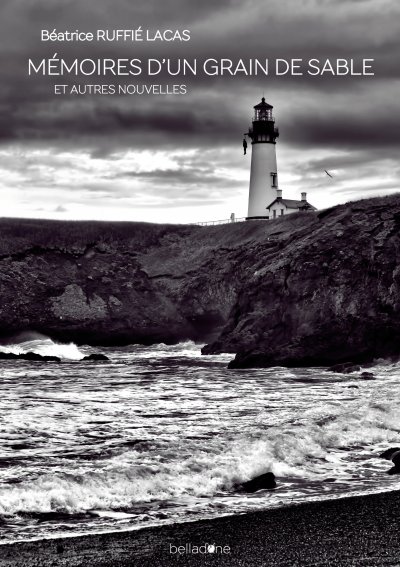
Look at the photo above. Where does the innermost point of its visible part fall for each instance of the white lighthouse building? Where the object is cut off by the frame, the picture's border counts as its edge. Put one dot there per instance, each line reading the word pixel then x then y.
pixel 264 174
pixel 265 198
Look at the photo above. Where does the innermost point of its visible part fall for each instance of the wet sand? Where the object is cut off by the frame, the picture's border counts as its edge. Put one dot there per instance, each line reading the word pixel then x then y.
pixel 353 531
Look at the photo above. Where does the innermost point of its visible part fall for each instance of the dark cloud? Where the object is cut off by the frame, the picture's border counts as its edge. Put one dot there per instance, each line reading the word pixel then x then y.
pixel 122 122
pixel 352 120
pixel 214 106
pixel 205 177
pixel 360 116
pixel 348 164
pixel 359 123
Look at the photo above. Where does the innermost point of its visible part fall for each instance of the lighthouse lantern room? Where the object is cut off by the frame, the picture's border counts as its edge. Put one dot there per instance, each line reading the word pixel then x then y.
pixel 264 175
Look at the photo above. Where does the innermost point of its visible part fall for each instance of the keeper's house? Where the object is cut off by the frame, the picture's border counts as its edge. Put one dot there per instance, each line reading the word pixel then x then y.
pixel 280 207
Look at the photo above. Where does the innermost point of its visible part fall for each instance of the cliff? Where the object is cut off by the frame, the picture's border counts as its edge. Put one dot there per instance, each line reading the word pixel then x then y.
pixel 327 292
pixel 119 283
pixel 308 289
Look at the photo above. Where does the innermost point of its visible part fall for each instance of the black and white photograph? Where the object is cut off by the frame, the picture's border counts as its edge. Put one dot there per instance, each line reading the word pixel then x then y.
pixel 199 283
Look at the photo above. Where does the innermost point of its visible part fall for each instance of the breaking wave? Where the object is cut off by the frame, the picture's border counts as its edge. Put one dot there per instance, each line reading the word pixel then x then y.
pixel 40 344
pixel 162 432
pixel 342 445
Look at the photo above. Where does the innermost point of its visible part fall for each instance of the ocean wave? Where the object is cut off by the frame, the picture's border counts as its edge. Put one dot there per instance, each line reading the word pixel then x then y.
pixel 43 345
pixel 108 440
pixel 185 349
pixel 344 447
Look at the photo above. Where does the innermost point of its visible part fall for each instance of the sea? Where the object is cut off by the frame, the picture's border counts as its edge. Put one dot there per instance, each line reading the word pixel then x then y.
pixel 161 434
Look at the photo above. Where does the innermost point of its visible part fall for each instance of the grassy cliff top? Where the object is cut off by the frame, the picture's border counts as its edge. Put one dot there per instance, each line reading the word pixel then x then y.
pixel 17 235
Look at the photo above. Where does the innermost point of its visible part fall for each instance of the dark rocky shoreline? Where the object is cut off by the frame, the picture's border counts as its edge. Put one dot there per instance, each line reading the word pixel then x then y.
pixel 35 357
pixel 309 289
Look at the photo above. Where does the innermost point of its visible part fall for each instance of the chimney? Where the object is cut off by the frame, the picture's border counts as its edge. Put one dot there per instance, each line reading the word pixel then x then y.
pixel 304 196
pixel 279 193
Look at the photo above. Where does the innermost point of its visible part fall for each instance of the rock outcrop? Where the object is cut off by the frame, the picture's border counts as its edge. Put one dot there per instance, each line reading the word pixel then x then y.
pixel 264 481
pixel 30 356
pixel 308 289
pixel 392 454
pixel 96 357
pixel 327 293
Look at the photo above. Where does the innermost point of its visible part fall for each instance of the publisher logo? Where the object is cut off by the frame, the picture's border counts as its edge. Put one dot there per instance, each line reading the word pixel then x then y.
pixel 203 549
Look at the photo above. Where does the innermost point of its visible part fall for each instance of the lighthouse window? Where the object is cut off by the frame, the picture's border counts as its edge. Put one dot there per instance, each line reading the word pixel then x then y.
pixel 282 212
pixel 274 179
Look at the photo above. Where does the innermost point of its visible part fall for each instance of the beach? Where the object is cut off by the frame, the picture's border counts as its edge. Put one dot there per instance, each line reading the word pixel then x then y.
pixel 361 530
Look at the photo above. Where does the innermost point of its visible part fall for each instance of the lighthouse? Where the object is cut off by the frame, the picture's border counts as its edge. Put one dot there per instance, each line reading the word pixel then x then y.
pixel 263 175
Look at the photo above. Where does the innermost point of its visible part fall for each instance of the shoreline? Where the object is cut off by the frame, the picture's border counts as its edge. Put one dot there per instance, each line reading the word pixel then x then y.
pixel 355 530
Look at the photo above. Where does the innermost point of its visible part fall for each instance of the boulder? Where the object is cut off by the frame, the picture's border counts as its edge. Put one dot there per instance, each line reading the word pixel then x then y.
pixel 349 367
pixel 345 368
pixel 31 356
pixel 34 356
pixel 95 356
pixel 389 453
pixel 367 376
pixel 396 459
pixel 392 454
pixel 263 481
pixel 352 368
pixel 342 367
pixel 8 356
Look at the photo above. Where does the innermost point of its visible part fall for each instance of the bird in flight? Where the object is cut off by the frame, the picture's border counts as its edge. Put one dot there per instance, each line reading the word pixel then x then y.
pixel 327 173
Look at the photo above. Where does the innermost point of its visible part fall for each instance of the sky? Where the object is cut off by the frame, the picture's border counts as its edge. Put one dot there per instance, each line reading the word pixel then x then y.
pixel 179 158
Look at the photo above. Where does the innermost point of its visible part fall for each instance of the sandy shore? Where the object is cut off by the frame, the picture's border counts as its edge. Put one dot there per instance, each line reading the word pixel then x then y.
pixel 352 531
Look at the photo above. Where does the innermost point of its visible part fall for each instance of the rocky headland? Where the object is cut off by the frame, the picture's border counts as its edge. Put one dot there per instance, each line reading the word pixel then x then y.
pixel 308 289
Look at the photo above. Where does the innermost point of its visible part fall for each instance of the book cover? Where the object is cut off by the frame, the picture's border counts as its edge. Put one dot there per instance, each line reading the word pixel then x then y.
pixel 199 283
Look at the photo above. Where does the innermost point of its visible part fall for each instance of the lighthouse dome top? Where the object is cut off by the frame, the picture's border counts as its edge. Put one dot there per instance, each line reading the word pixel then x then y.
pixel 263 111
pixel 263 105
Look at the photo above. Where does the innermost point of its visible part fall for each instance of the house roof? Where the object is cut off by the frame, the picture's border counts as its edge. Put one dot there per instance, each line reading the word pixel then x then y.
pixel 293 204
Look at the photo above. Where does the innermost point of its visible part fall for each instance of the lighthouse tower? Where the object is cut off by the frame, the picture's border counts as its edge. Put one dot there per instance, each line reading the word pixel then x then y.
pixel 263 175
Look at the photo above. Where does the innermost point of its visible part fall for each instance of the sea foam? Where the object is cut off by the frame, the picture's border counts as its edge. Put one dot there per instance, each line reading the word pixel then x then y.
pixel 46 347
pixel 161 431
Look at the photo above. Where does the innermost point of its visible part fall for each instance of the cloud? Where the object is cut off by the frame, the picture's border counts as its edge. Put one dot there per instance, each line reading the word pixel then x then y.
pixel 96 145
pixel 353 122
pixel 60 209
pixel 188 178
pixel 214 109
